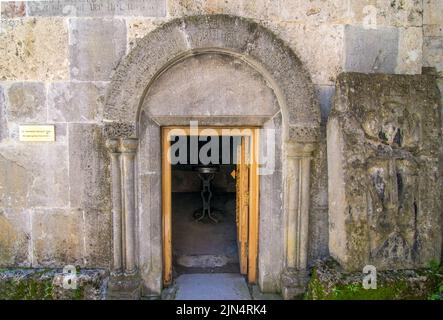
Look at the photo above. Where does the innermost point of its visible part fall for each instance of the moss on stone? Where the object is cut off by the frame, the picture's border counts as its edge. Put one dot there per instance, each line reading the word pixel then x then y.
pixel 47 284
pixel 26 289
pixel 329 282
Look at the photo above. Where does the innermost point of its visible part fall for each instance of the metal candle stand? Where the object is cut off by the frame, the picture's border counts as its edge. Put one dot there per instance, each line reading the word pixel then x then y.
pixel 206 174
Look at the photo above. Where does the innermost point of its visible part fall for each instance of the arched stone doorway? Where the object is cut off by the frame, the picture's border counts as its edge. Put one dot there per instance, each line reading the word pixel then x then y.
pixel 217 54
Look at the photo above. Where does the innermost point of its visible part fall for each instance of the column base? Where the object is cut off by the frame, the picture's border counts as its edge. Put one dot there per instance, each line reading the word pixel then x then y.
pixel 294 283
pixel 124 287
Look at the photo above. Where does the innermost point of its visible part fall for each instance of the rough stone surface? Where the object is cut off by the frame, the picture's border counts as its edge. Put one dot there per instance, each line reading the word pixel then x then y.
pixel 272 217
pixel 98 238
pixel 34 175
pixel 398 13
pixel 211 85
pixel 410 51
pixel 138 28
pixel 384 144
pixel 371 50
pixel 97 8
pixel 89 39
pixel 14 242
pixel 318 219
pixel 26 102
pixel 432 13
pixel 432 52
pixel 309 43
pixel 34 49
pixel 330 282
pixel 88 168
pixel 57 237
pixel 13 9
pixel 76 101
pixel 3 123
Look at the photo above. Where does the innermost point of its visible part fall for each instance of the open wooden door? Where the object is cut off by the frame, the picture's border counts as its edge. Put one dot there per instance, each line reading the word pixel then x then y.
pixel 247 205
pixel 242 205
pixel 247 211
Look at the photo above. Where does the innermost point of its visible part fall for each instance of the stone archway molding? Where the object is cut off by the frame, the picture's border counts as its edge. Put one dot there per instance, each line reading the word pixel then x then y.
pixel 237 36
pixel 285 74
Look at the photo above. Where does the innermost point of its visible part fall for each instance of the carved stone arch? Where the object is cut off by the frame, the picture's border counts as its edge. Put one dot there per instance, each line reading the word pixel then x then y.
pixel 158 51
pixel 243 37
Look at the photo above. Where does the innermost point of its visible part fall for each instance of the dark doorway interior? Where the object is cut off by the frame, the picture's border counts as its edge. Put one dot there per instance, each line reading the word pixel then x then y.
pixel 204 246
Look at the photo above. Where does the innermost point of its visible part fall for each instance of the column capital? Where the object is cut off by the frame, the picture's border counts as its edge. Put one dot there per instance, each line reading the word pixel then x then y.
pixel 128 145
pixel 112 145
pixel 299 149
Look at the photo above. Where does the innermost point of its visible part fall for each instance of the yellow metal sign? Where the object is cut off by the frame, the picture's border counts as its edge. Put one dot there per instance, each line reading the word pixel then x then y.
pixel 37 133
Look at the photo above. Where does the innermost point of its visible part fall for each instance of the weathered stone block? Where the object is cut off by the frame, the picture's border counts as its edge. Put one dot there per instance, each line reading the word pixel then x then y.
pixel 3 123
pixel 76 101
pixel 433 30
pixel 14 238
pixel 371 50
pixel 432 12
pixel 440 86
pixel 96 47
pixel 138 28
pixel 318 216
pixel 384 144
pixel 97 8
pixel 309 42
pixel 271 217
pixel 88 168
pixel 313 12
pixel 382 13
pixel 410 49
pixel 26 102
pixel 13 9
pixel 98 238
pixel 33 175
pixel 251 9
pixel 432 52
pixel 57 237
pixel 14 183
pixel 34 49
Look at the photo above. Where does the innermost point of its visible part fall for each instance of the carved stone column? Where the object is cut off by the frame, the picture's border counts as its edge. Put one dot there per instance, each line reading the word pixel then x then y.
pixel 125 279
pixel 128 148
pixel 117 265
pixel 295 275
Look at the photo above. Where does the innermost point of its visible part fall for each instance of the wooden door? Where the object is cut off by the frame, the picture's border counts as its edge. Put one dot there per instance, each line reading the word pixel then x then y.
pixel 247 215
pixel 242 205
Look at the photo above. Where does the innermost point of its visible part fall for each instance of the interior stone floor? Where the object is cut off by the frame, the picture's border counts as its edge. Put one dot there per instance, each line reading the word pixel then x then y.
pixel 205 246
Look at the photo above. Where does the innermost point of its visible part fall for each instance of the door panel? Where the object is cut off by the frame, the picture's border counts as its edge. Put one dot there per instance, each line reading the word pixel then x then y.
pixel 166 209
pixel 253 223
pixel 242 202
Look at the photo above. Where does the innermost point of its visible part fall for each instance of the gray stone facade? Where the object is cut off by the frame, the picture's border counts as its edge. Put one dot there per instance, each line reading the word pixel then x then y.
pixel 109 73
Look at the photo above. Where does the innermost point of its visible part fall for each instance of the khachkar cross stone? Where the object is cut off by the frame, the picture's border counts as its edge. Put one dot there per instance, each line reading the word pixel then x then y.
pixel 384 144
